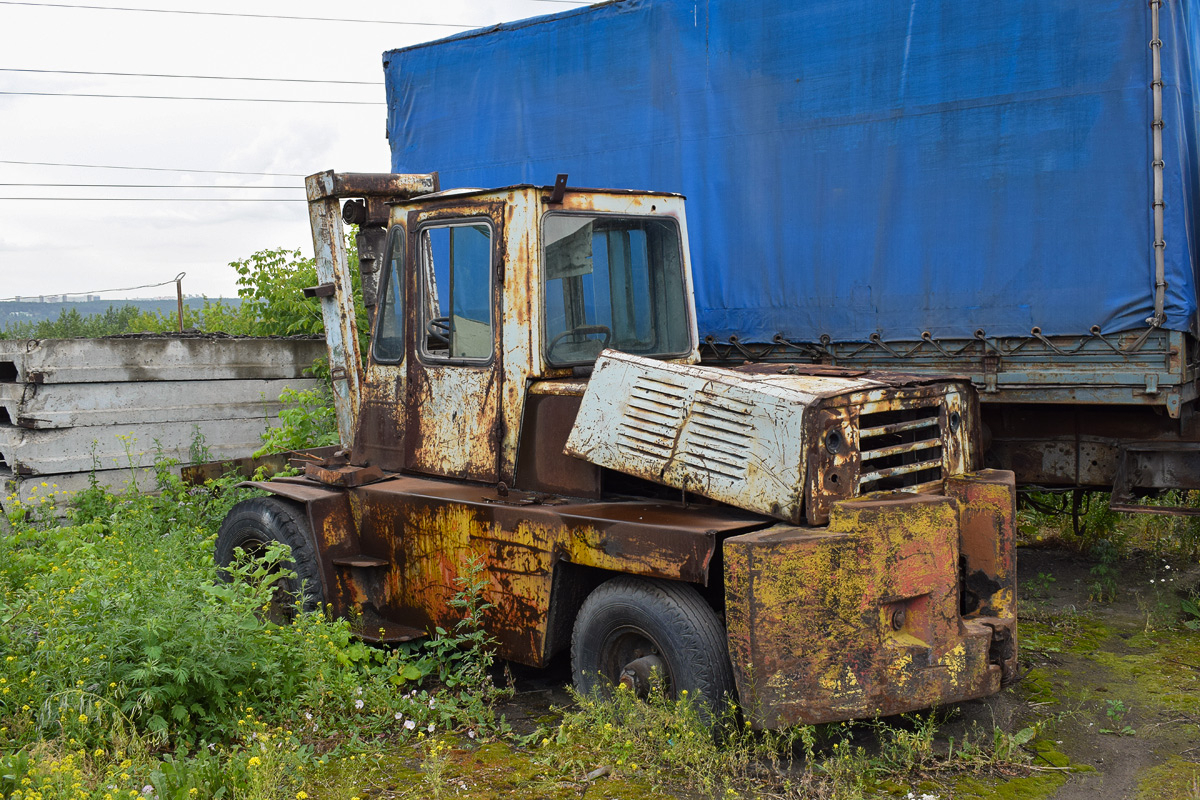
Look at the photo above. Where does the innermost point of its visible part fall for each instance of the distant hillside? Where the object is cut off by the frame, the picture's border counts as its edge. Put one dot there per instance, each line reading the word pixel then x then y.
pixel 24 311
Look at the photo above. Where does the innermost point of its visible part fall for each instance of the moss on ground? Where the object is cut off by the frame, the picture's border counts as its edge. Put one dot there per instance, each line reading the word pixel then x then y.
pixel 1051 769
pixel 490 771
pixel 1174 779
pixel 1063 632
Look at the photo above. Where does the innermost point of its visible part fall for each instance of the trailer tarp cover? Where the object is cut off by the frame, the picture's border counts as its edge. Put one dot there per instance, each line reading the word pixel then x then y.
pixel 851 167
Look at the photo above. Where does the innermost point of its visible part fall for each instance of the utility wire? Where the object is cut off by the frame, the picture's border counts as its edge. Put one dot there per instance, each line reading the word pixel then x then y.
pixel 176 279
pixel 233 14
pixel 153 169
pixel 176 97
pixel 197 77
pixel 167 199
pixel 292 187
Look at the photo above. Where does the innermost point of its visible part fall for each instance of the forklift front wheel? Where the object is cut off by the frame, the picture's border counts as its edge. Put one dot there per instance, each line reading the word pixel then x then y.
pixel 252 525
pixel 635 632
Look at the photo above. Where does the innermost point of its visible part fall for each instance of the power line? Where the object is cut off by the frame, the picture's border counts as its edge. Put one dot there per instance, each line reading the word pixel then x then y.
pixel 292 187
pixel 167 199
pixel 233 14
pixel 176 279
pixel 175 97
pixel 197 77
pixel 153 169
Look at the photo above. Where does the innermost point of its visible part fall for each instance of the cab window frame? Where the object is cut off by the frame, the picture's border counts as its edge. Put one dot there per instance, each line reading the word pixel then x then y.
pixel 655 286
pixel 386 302
pixel 423 291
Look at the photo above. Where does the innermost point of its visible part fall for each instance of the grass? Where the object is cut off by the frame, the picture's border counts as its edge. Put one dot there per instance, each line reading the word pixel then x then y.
pixel 1046 519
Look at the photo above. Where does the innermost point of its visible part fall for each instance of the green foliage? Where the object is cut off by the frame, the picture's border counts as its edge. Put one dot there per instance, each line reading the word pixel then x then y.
pixel 214 315
pixel 462 658
pixel 71 324
pixel 672 745
pixel 1115 711
pixel 271 285
pixel 1104 572
pixel 1049 518
pixel 1191 612
pixel 128 662
pixel 306 419
pixel 1039 587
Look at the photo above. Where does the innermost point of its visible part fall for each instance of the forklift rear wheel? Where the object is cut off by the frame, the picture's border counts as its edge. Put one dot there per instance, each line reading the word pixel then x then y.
pixel 252 525
pixel 636 631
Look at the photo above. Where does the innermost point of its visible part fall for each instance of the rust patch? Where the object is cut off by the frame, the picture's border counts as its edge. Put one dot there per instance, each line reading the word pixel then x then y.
pixel 862 618
pixel 343 476
pixel 987 533
pixel 425 532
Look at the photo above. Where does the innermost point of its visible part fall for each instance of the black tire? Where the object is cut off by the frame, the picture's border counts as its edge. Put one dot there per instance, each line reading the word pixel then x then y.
pixel 253 524
pixel 632 618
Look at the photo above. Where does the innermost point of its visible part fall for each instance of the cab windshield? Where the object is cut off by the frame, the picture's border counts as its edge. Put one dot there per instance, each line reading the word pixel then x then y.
pixel 612 282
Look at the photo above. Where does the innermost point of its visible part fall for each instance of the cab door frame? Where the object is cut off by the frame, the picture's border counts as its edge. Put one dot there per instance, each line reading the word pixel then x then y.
pixel 454 423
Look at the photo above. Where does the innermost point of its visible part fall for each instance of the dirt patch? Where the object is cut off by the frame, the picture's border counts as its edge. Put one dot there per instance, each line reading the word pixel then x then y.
pixel 1113 683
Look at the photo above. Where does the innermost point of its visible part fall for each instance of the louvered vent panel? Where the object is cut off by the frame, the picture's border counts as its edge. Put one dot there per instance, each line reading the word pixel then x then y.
pixel 652 418
pixel 900 449
pixel 718 436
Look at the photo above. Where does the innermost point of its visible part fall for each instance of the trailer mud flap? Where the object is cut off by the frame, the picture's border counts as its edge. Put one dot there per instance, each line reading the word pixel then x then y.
pixel 863 618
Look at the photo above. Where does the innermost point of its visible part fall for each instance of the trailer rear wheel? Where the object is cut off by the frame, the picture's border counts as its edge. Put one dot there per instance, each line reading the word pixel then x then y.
pixel 252 525
pixel 630 630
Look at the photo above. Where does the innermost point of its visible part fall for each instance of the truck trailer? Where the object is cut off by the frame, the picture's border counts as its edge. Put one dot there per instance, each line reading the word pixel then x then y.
pixel 1003 192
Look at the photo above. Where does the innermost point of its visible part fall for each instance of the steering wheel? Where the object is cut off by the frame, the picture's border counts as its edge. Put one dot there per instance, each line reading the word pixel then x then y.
pixel 582 330
pixel 438 329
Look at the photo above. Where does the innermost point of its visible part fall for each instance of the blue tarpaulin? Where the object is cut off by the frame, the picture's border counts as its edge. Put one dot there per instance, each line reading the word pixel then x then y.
pixel 851 167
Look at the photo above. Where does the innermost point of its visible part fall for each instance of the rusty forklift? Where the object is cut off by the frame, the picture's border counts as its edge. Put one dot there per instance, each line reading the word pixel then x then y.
pixel 818 543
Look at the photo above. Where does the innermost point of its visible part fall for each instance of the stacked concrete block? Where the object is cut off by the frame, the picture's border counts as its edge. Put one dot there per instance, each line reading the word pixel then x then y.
pixel 71 408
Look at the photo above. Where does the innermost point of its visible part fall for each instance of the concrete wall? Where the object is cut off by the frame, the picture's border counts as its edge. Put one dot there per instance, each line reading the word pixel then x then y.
pixel 71 406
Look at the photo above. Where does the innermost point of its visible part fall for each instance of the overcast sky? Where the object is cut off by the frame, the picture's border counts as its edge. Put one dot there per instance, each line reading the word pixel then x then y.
pixel 75 246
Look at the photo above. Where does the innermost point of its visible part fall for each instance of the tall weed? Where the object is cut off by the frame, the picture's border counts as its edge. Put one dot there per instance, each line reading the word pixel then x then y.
pixel 670 744
pixel 128 661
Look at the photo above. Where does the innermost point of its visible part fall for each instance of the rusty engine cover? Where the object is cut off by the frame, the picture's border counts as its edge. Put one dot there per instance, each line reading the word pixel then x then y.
pixel 771 441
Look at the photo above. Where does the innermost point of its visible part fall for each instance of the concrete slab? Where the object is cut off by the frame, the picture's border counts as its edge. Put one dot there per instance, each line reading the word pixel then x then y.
pixel 155 358
pixel 51 452
pixel 61 488
pixel 70 405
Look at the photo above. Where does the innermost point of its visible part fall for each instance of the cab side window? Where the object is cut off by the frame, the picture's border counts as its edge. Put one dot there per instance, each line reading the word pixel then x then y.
pixel 388 342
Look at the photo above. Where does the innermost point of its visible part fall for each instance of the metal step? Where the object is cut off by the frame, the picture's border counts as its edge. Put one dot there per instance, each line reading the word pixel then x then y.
pixel 360 561
pixel 372 627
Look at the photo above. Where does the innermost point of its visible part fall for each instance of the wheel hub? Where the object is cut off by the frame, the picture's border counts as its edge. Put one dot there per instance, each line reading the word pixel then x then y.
pixel 637 676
